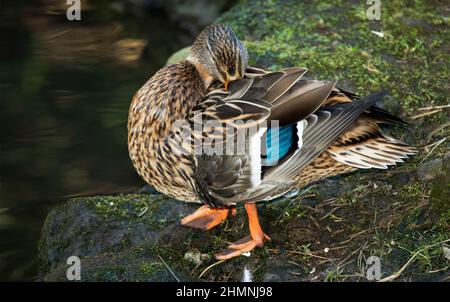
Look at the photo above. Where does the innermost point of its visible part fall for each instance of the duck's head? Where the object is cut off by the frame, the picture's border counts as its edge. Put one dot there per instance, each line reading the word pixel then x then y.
pixel 220 53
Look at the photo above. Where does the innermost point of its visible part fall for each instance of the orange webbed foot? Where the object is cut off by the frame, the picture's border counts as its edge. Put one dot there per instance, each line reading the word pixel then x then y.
pixel 205 218
pixel 241 246
pixel 248 243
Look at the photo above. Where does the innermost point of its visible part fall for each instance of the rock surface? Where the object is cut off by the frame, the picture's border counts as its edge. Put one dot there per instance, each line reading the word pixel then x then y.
pixel 326 232
pixel 430 170
pixel 137 237
pixel 111 232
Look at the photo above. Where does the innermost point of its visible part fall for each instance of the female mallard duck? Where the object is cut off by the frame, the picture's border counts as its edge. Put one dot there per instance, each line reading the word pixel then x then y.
pixel 322 131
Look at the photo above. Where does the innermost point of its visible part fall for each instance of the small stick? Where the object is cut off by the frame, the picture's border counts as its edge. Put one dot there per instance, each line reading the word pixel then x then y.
pixel 355 235
pixel 432 149
pixel 398 273
pixel 434 107
pixel 437 130
pixel 426 114
pixel 210 267
pixel 310 255
pixel 331 212
pixel 178 280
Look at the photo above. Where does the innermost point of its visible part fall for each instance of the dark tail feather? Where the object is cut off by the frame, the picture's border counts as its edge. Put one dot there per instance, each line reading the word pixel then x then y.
pixel 384 117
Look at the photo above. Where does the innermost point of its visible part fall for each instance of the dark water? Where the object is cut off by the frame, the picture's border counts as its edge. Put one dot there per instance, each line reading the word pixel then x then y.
pixel 65 89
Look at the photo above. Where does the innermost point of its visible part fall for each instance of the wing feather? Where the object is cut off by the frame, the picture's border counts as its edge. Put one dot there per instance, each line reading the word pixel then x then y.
pixel 287 97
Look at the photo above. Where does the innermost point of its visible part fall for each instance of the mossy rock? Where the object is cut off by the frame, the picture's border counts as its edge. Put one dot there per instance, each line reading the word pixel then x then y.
pixel 94 228
pixel 133 265
pixel 125 238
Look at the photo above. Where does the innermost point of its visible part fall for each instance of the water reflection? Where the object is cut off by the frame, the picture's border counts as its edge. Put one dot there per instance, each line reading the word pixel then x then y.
pixel 65 89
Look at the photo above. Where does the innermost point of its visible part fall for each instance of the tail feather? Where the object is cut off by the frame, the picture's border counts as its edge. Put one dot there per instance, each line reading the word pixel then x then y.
pixel 384 117
pixel 372 153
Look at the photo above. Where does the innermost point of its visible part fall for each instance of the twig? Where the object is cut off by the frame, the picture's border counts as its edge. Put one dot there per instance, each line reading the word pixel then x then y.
pixel 436 144
pixel 327 202
pixel 426 114
pixel 362 247
pixel 294 263
pixel 432 144
pixel 434 107
pixel 437 130
pixel 398 273
pixel 311 208
pixel 283 212
pixel 315 222
pixel 173 274
pixel 210 267
pixel 310 255
pixel 229 275
pixel 331 212
pixel 357 234
pixel 438 270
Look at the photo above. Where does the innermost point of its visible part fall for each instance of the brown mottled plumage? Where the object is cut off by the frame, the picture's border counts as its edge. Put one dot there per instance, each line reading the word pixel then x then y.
pixel 168 96
pixel 326 132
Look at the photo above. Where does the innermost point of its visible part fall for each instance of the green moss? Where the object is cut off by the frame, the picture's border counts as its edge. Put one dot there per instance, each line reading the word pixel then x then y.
pixel 149 269
pixel 112 273
pixel 440 204
pixel 142 207
pixel 334 40
pixel 118 206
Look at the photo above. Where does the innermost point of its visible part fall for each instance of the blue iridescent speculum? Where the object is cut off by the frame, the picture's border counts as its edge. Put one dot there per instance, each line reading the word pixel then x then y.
pixel 277 146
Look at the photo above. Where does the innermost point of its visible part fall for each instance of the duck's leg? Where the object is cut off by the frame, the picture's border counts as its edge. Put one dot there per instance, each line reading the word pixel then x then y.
pixel 246 244
pixel 206 217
